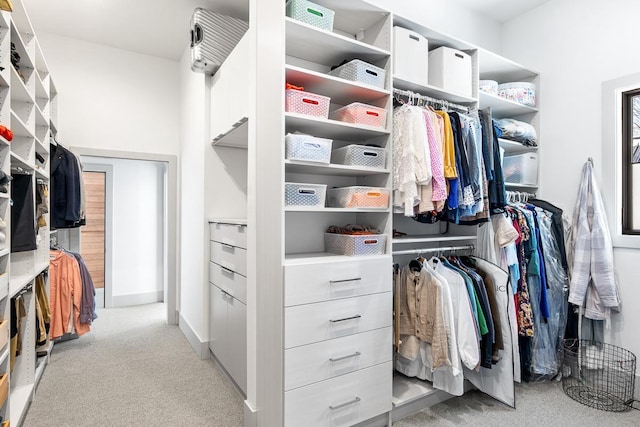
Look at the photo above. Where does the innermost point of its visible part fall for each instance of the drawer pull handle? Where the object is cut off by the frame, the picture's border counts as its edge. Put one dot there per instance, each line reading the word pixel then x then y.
pixel 335 282
pixel 226 246
pixel 338 359
pixel 342 405
pixel 357 316
pixel 227 270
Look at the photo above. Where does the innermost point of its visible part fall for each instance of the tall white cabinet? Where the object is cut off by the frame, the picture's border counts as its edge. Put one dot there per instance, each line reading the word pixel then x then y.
pixel 28 107
pixel 318 325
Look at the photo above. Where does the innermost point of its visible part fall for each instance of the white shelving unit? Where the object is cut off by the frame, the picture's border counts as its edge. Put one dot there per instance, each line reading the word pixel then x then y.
pixel 285 241
pixel 27 110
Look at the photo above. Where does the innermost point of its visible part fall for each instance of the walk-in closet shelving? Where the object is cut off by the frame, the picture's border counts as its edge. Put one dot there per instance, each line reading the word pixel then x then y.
pixel 350 293
pixel 5 201
pixel 25 109
pixel 285 245
pixel 502 70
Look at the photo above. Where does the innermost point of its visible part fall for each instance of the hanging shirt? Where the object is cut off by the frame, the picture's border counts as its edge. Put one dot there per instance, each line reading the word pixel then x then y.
pixel 465 323
pixel 411 162
pixel 65 294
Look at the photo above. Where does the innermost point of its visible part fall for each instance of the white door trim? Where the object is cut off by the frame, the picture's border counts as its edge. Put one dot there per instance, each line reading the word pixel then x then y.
pixel 172 285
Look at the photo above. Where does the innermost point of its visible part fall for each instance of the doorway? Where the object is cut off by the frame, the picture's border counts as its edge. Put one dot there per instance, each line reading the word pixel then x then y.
pixel 134 220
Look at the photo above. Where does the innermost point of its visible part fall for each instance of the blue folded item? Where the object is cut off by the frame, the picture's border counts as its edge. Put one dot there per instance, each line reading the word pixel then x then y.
pixel 518 131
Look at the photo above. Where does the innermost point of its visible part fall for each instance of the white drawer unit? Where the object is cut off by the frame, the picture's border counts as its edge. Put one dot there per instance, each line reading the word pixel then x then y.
pixel 228 334
pixel 306 324
pixel 228 296
pixel 342 401
pixel 234 234
pixel 309 283
pixel 233 283
pixel 317 362
pixel 230 257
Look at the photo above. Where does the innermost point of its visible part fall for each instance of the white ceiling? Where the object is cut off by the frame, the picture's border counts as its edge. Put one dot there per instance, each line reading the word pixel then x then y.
pixel 153 27
pixel 161 27
pixel 501 10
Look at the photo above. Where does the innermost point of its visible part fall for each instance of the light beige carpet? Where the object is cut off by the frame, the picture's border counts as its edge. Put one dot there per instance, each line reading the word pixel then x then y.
pixel 132 370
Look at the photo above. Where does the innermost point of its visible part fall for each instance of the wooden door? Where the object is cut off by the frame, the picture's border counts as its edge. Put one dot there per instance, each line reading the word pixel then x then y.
pixel 93 234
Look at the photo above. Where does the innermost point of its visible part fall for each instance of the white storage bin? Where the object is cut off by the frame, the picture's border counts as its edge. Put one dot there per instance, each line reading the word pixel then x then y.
pixel 410 56
pixel 362 114
pixel 360 155
pixel 488 86
pixel 310 13
pixel 358 197
pixel 360 71
pixel 310 104
pixel 312 195
pixel 522 92
pixel 521 169
pixel 308 148
pixel 346 244
pixel 450 69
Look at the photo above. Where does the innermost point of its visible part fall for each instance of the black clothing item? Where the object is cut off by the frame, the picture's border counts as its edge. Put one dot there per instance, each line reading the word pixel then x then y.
pixel 64 188
pixel 23 219
pixel 556 226
pixel 497 193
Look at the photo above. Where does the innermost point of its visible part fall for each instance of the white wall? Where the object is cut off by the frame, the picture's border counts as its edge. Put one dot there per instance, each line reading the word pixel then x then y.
pixel 450 18
pixel 194 234
pixel 577 48
pixel 113 99
pixel 138 221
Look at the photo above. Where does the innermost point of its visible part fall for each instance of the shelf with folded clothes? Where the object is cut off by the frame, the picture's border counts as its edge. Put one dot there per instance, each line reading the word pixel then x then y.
pixel 515 147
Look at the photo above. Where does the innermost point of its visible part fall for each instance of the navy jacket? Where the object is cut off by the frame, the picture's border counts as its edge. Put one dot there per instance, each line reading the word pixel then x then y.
pixel 65 188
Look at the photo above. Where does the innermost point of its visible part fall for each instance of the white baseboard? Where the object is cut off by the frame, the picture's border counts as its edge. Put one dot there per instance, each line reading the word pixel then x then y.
pixel 137 299
pixel 250 415
pixel 200 347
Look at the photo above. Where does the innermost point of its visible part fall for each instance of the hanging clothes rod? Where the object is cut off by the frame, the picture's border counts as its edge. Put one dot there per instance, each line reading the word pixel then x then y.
pixel 427 99
pixel 436 249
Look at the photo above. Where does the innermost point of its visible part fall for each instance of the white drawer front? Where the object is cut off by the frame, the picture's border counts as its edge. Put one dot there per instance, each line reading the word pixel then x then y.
pixel 305 284
pixel 231 234
pixel 342 401
pixel 230 257
pixel 231 282
pixel 320 361
pixel 306 324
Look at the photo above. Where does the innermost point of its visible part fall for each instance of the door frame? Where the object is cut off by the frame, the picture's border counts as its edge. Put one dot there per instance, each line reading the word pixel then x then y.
pixel 108 227
pixel 172 285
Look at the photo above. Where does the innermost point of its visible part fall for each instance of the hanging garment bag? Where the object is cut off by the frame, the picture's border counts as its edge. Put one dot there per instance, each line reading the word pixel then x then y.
pixel 498 382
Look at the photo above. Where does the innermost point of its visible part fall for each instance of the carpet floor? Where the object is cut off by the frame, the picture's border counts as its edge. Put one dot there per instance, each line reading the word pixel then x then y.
pixel 539 404
pixel 132 369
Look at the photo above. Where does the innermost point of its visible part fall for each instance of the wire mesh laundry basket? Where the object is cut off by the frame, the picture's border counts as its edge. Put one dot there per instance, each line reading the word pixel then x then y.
pixel 599 375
